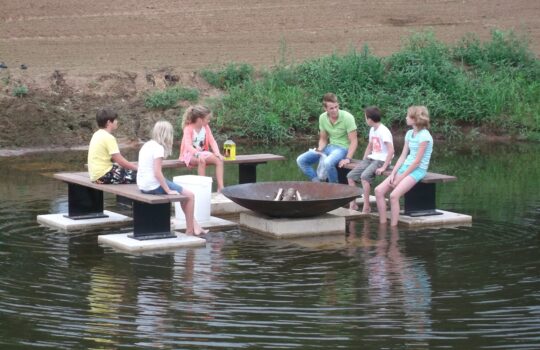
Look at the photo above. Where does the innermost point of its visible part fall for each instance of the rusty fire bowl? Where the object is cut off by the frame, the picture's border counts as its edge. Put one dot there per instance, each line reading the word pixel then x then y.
pixel 317 197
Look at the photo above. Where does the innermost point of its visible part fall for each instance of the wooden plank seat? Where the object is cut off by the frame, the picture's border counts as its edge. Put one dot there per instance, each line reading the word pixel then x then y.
pixel 151 213
pixel 421 199
pixel 247 165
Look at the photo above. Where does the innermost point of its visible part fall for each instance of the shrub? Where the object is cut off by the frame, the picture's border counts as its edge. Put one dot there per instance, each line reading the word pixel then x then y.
pixel 20 91
pixel 232 75
pixel 169 97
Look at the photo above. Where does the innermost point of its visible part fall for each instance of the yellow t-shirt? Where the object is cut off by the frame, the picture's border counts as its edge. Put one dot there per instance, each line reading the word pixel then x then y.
pixel 102 146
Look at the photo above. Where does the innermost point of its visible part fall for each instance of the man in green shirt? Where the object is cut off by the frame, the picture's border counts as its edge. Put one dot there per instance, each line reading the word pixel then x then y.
pixel 337 141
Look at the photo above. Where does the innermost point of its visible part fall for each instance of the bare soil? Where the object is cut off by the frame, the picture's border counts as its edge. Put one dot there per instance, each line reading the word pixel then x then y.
pixel 81 55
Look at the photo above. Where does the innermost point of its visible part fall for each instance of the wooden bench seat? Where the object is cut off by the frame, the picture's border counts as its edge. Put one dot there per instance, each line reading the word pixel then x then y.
pixel 419 200
pixel 151 213
pixel 247 165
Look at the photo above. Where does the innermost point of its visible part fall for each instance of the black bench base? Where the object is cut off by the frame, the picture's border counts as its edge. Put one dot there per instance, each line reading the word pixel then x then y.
pixel 87 216
pixel 159 235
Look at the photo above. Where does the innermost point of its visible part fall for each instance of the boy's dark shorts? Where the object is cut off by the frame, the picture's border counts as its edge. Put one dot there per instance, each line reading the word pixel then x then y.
pixel 117 176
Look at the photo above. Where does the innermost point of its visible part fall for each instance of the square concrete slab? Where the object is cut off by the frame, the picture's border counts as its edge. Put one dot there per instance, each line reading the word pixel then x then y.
pixel 213 224
pixel 59 221
pixel 348 213
pixel 293 227
pixel 445 219
pixel 122 242
pixel 221 205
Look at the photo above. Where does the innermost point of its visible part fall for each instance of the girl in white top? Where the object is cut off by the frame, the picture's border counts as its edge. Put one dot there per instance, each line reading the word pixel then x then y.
pixel 150 177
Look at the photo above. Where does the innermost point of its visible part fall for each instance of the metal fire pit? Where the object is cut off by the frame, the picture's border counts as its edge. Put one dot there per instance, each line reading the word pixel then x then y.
pixel 317 197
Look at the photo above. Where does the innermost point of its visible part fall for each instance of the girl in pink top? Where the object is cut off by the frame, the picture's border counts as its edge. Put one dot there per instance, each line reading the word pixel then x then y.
pixel 198 146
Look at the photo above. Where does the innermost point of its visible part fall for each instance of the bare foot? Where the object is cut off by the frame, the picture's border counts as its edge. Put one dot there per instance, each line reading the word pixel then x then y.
pixel 366 210
pixel 200 231
pixel 353 206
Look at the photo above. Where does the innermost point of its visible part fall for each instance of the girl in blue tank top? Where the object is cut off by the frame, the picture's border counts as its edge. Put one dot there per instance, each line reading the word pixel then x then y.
pixel 411 166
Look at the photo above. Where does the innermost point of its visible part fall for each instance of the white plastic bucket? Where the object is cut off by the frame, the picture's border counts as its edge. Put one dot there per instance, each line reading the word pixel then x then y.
pixel 201 186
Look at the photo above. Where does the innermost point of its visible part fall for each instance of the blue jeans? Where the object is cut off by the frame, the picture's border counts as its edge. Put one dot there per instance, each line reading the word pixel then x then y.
pixel 160 190
pixel 333 155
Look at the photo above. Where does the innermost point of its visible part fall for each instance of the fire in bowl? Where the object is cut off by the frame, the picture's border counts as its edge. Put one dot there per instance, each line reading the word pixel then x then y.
pixel 296 198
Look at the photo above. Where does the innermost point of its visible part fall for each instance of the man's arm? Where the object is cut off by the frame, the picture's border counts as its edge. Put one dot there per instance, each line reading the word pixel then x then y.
pixel 323 141
pixel 123 162
pixel 353 143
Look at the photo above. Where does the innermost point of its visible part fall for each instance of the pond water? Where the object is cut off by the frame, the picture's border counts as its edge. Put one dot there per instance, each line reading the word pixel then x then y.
pixel 475 287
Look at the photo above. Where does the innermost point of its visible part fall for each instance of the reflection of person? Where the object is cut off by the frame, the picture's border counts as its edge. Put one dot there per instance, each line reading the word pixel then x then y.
pixel 395 279
pixel 337 140
pixel 150 177
pixel 411 166
pixel 103 151
pixel 377 156
pixel 198 146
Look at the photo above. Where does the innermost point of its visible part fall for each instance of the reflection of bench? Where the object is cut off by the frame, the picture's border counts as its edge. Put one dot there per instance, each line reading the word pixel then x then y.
pixel 420 200
pixel 247 165
pixel 151 213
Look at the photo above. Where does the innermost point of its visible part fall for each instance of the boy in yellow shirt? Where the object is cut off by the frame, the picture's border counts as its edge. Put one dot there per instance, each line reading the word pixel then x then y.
pixel 103 151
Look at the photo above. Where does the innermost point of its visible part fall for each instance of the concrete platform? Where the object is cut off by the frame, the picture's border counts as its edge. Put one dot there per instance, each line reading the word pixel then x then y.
pixel 348 213
pixel 213 224
pixel 221 205
pixel 122 242
pixel 59 221
pixel 290 227
pixel 446 219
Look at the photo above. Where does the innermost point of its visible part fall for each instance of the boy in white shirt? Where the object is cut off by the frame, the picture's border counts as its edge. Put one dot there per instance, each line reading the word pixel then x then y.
pixel 377 156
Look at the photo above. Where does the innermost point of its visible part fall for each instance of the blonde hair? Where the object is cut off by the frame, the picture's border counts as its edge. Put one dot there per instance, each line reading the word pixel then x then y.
pixel 162 133
pixel 193 113
pixel 420 114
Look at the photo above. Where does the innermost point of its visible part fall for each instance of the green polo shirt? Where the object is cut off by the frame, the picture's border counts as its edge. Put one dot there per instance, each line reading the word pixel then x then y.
pixel 338 133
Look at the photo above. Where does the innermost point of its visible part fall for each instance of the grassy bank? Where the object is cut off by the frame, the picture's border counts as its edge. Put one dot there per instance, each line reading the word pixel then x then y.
pixel 493 84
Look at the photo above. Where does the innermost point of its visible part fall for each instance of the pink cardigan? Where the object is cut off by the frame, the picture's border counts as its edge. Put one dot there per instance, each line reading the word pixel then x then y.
pixel 187 151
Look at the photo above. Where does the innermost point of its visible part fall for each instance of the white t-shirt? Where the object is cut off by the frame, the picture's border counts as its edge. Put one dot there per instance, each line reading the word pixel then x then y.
pixel 146 180
pixel 198 138
pixel 378 137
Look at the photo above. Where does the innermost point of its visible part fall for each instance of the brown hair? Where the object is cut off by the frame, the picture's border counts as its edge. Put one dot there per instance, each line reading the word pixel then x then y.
pixel 373 113
pixel 193 113
pixel 420 114
pixel 104 115
pixel 329 97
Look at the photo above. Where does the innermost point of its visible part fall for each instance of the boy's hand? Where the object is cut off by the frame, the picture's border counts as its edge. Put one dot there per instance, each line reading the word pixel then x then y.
pixel 380 170
pixel 173 192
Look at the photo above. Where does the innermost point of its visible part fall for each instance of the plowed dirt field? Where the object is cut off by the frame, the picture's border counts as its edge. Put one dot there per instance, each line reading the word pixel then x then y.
pixel 79 36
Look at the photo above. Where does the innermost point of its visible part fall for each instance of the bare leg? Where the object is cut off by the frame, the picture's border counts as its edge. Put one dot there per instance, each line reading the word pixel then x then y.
pixel 219 170
pixel 367 188
pixel 380 191
pixel 201 168
pixel 403 187
pixel 188 207
pixel 352 205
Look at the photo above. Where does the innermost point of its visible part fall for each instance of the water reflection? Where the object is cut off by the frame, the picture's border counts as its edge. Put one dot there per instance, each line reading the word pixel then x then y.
pixel 459 288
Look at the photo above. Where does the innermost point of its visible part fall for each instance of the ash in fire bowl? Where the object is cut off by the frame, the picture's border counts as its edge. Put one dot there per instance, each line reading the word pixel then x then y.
pixel 291 199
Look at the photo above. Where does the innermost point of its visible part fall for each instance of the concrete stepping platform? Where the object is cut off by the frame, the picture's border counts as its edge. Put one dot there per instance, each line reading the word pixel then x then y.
pixel 61 222
pixel 213 224
pixel 221 205
pixel 446 218
pixel 349 214
pixel 280 228
pixel 122 242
